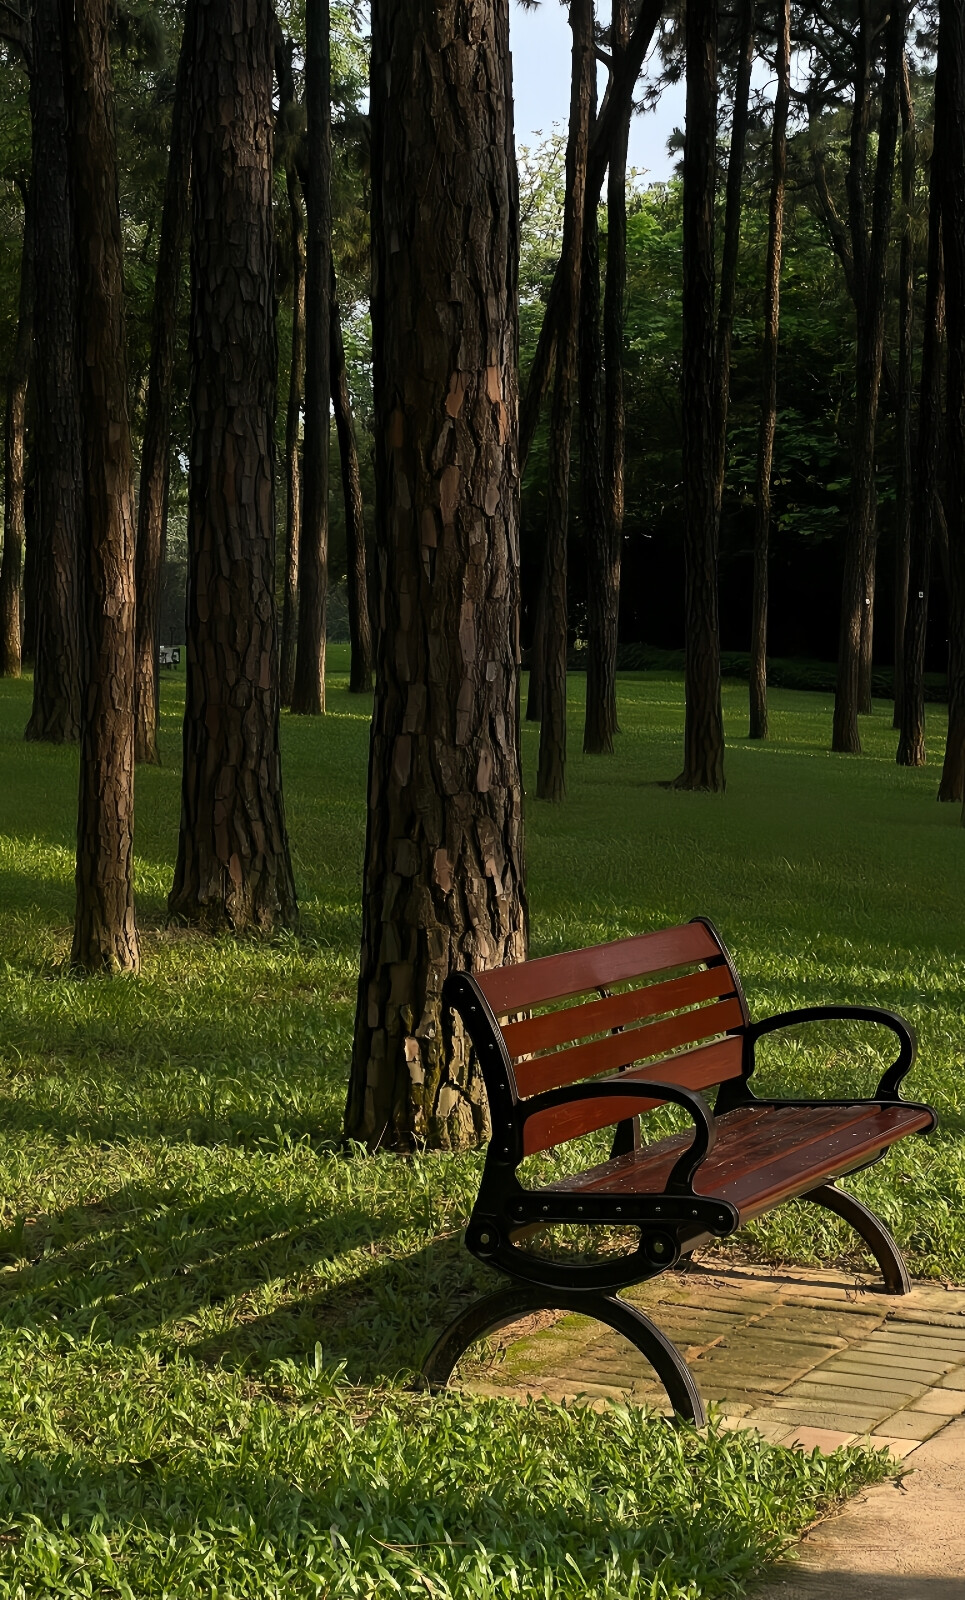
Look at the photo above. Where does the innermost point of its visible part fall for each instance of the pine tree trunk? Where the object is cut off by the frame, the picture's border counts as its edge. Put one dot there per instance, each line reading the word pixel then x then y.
pixel 704 724
pixel 769 354
pixel 152 507
pixel 949 152
pixel 11 564
pixel 105 938
pixel 926 509
pixel 732 233
pixel 534 692
pixel 57 448
pixel 308 691
pixel 551 772
pixel 906 331
pixel 233 868
pixel 359 620
pixel 443 886
pixel 293 469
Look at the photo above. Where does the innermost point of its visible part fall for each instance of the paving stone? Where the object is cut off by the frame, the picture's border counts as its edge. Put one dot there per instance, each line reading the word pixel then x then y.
pixel 855 1398
pixel 943 1402
pixel 954 1380
pixel 910 1425
pixel 824 1439
pixel 840 1378
pixel 895 1447
pixel 806 1417
pixel 767 1427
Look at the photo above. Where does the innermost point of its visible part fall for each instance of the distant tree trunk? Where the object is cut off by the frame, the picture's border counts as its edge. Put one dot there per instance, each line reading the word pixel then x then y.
pixel 906 332
pixel 534 693
pixel 233 868
pixel 152 507
pixel 293 470
pixel 105 938
pixel 443 887
pixel 926 508
pixel 308 691
pixel 853 689
pixel 551 773
pixel 768 424
pixel 11 565
pixel 949 152
pixel 704 724
pixel 57 443
pixel 359 619
pixel 732 235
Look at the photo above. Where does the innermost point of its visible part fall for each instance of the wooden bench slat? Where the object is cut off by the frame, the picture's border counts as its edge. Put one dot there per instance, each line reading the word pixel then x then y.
pixel 698 1069
pixel 620 1049
pixel 619 1010
pixel 576 971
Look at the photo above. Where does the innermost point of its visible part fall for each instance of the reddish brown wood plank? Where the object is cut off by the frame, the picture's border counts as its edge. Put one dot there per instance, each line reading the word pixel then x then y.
pixel 555 977
pixel 699 1069
pixel 620 1049
pixel 597 1016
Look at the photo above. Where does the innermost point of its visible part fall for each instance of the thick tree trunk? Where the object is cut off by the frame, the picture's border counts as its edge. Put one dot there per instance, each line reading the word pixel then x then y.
pixel 769 354
pixel 308 692
pixel 926 507
pixel 949 152
pixel 152 507
pixel 852 694
pixel 359 619
pixel 906 330
pixel 11 564
pixel 293 467
pixel 233 868
pixel 551 773
pixel 57 445
pixel 443 887
pixel 732 233
pixel 704 724
pixel 105 938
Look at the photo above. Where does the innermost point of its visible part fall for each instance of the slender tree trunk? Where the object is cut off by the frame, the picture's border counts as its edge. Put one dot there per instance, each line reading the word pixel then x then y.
pixel 704 724
pixel 732 232
pixel 857 599
pixel 949 152
pixel 105 938
pixel 443 886
pixel 551 774
pixel 233 868
pixel 57 448
pixel 11 565
pixel 152 507
pixel 359 619
pixel 534 693
pixel 926 507
pixel 293 470
pixel 906 331
pixel 308 691
pixel 768 424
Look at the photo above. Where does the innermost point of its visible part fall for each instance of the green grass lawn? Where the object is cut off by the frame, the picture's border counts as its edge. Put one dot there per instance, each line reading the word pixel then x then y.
pixel 208 1311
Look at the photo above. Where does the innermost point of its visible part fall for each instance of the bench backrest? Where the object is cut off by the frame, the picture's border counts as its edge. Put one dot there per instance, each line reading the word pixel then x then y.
pixel 620 1007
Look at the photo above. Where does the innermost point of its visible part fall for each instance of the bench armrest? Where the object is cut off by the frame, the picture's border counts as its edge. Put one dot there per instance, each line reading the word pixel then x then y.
pixel 891 1078
pixel 705 1135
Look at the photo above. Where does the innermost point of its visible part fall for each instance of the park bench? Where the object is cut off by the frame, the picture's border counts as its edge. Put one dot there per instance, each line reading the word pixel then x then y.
pixel 571 1044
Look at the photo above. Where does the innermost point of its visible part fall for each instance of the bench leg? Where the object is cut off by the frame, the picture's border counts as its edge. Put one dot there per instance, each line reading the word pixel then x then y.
pixel 508 1305
pixel 871 1229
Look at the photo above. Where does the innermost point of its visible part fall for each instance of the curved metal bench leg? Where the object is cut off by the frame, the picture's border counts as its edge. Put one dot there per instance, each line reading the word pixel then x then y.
pixel 871 1229
pixel 508 1305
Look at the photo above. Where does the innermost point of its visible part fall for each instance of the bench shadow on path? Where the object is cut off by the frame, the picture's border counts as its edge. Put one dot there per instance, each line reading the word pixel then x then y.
pixel 805 1584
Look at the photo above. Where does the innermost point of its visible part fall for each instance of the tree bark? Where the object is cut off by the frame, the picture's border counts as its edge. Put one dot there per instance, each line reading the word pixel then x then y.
pixel 853 690
pixel 57 447
pixel 551 772
pixel 308 691
pixel 152 508
pixel 704 724
pixel 769 354
pixel 926 507
pixel 732 235
pixel 949 152
pixel 233 868
pixel 443 886
pixel 293 468
pixel 906 333
pixel 11 565
pixel 105 938
pixel 359 619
